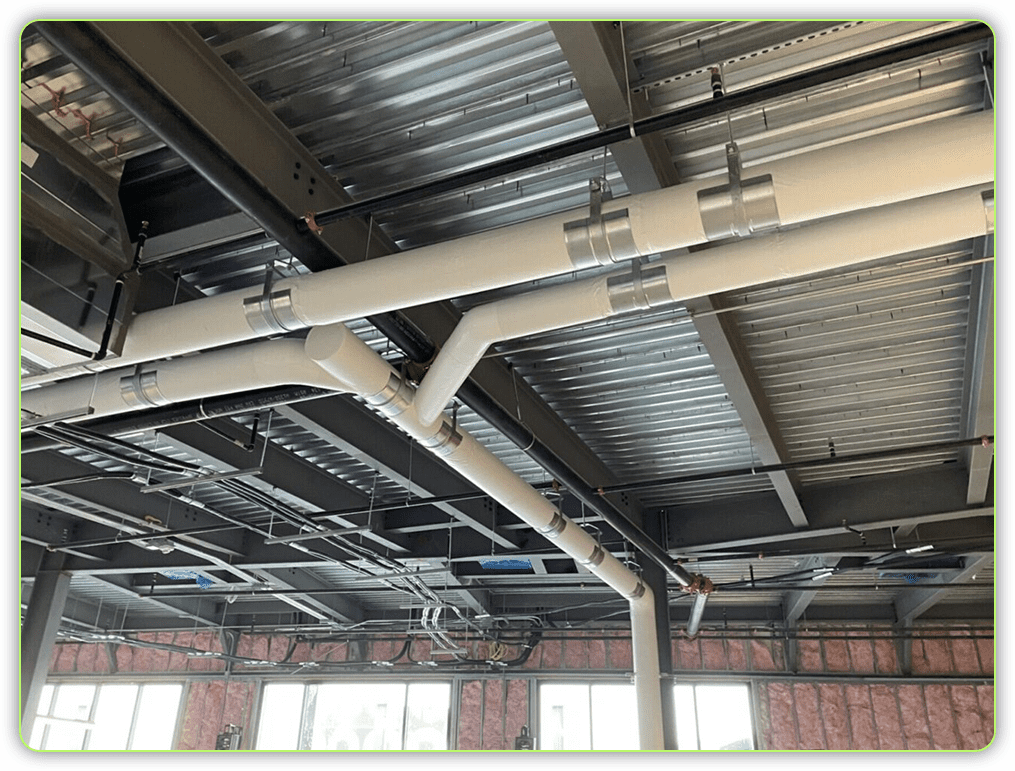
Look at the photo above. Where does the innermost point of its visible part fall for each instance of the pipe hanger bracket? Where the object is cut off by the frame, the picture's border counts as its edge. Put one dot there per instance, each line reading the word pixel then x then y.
pixel 600 239
pixel 740 208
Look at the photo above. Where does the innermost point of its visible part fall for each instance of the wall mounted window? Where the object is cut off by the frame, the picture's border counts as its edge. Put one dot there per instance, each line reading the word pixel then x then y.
pixel 603 716
pixel 107 716
pixel 354 716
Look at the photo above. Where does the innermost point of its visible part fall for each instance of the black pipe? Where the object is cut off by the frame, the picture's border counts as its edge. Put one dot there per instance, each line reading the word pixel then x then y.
pixel 915 449
pixel 92 53
pixel 54 342
pixel 114 303
pixel 718 106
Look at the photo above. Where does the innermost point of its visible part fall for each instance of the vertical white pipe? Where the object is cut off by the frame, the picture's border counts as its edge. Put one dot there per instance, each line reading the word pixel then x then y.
pixel 340 353
pixel 847 240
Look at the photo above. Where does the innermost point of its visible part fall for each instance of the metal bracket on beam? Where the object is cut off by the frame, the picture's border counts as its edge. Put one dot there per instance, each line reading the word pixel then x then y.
pixel 598 239
pixel 271 312
pixel 741 207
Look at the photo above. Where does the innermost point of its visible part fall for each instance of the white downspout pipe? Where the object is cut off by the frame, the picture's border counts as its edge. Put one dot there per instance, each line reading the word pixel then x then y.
pixel 340 353
pixel 921 160
pixel 264 364
pixel 847 240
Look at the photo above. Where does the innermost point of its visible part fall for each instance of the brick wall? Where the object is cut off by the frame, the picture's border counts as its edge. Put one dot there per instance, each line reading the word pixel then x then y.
pixel 792 713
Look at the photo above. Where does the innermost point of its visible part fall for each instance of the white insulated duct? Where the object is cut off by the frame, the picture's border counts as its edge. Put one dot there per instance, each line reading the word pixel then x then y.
pixel 918 161
pixel 264 364
pixel 339 352
pixel 847 240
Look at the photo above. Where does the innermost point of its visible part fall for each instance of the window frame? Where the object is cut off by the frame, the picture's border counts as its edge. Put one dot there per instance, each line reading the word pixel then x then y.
pixel 449 733
pixel 48 719
pixel 748 683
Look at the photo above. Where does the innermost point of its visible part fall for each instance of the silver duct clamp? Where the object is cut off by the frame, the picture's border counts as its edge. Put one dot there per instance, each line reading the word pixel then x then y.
pixel 555 527
pixel 272 312
pixel 640 290
pixel 596 558
pixel 141 390
pixel 599 239
pixel 395 397
pixel 446 440
pixel 740 208
pixel 988 208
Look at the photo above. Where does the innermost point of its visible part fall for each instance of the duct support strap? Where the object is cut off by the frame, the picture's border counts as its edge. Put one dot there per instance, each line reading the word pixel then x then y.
pixel 639 290
pixel 740 208
pixel 141 390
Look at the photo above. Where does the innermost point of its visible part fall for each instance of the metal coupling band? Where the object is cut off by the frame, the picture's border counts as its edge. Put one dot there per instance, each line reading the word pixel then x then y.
pixel 639 290
pixel 740 208
pixel 600 241
pixel 394 399
pixel 988 207
pixel 142 390
pixel 272 313
pixel 596 558
pixel 556 526
pixel 445 441
pixel 639 591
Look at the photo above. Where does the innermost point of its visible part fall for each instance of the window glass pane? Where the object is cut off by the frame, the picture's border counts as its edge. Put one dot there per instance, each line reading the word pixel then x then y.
pixel 687 731
pixel 65 736
pixel 724 717
pixel 281 707
pixel 114 711
pixel 74 701
pixel 358 716
pixel 45 700
pixel 614 717
pixel 156 717
pixel 426 716
pixel 564 720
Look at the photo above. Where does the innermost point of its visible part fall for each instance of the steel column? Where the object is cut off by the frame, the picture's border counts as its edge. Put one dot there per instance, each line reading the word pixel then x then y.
pixel 38 635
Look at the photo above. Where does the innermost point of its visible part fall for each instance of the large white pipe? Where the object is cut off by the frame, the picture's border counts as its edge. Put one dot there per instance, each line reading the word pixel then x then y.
pixel 921 160
pixel 339 352
pixel 264 364
pixel 847 240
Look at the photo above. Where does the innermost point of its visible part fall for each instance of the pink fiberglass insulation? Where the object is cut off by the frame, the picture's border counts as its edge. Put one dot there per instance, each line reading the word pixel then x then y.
pixel 939 715
pixel 597 654
pixel 87 659
pixel 938 657
pixel 886 718
pixel 688 654
pixel 832 698
pixel 861 653
pixel 837 656
pixel 808 716
pixel 576 654
pixel 516 711
pixel 861 718
pixel 885 661
pixel 809 654
pixel 737 655
pixel 964 654
pixel 985 697
pixel 493 715
pixel 783 719
pixel 968 717
pixel 713 655
pixel 470 715
pixel 985 647
pixel 914 717
pixel 620 653
pixel 552 653
pixel 764 657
